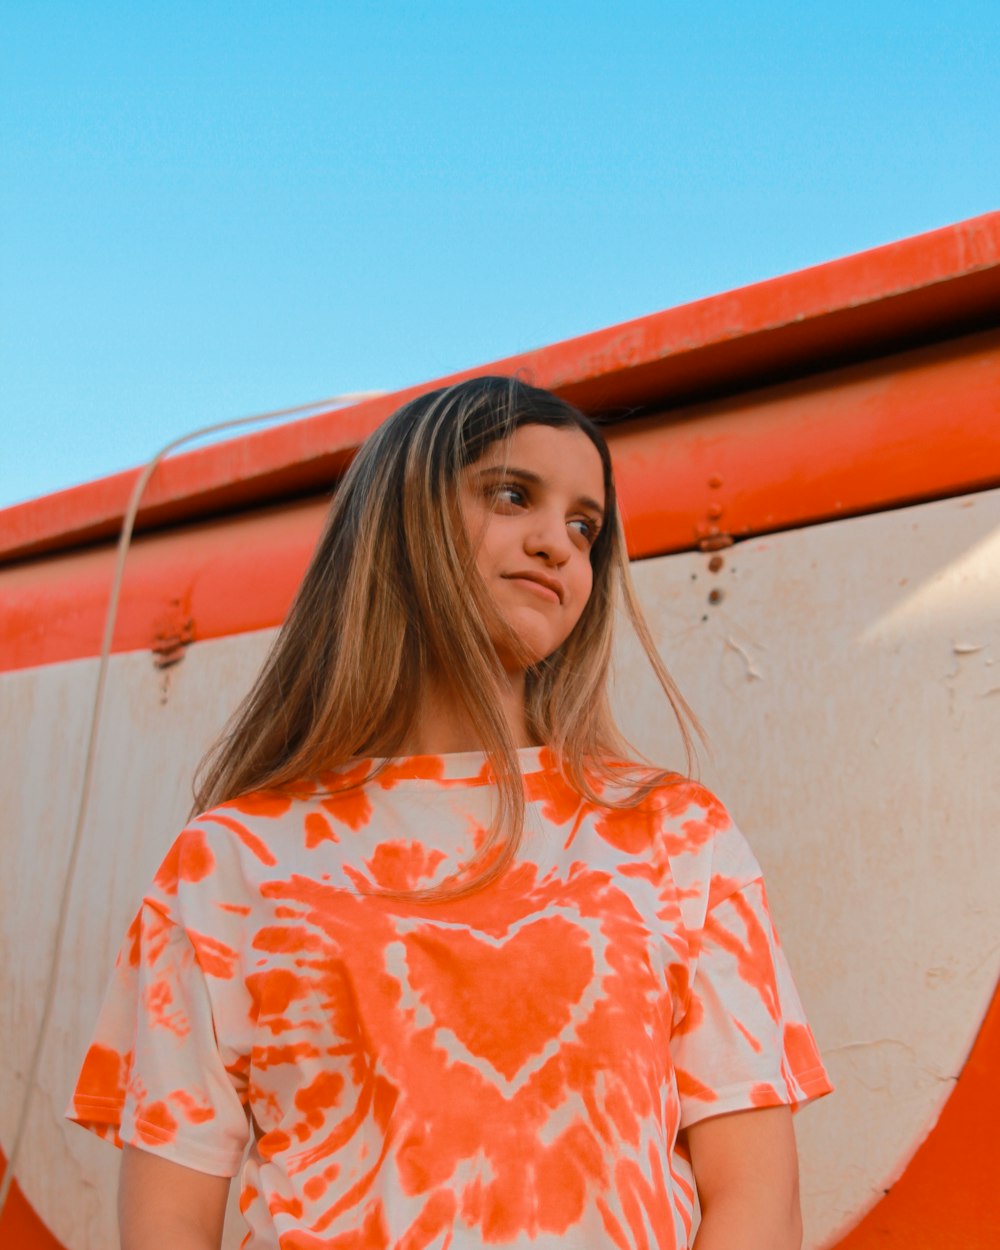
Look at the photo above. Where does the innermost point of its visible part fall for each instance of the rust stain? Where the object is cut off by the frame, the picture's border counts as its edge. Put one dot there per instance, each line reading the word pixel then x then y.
pixel 174 634
pixel 715 541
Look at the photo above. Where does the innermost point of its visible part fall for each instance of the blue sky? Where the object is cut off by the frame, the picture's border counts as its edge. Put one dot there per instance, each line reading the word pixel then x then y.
pixel 211 209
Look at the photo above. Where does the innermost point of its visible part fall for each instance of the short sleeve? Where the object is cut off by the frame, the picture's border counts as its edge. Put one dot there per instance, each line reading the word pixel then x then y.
pixel 743 1040
pixel 154 1076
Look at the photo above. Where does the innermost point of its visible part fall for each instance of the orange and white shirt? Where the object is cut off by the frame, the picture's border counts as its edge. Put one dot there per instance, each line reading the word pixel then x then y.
pixel 511 1068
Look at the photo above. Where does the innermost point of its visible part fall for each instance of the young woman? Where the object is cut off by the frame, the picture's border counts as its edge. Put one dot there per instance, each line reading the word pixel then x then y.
pixel 437 965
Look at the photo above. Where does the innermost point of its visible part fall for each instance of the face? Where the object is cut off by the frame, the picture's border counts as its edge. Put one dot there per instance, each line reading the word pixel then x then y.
pixel 533 508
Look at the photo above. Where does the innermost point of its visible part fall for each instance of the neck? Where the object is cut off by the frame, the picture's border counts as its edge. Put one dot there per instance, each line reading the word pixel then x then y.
pixel 442 726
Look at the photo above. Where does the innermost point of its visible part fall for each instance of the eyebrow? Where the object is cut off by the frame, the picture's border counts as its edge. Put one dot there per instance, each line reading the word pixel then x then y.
pixel 533 479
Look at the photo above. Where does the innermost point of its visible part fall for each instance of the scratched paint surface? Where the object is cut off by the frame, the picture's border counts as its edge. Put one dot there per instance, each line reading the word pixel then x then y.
pixel 848 676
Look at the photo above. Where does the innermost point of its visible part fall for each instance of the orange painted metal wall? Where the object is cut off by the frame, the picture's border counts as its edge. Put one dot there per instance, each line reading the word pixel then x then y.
pixel 20 1226
pixel 913 426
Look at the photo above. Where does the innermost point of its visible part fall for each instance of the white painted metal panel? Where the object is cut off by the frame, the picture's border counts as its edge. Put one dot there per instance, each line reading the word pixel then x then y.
pixel 155 727
pixel 849 679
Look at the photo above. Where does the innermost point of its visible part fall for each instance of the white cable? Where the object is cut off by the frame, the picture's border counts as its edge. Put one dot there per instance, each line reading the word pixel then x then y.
pixel 124 541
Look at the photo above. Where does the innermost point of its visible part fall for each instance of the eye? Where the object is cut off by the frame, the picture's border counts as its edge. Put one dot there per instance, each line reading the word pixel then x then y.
pixel 588 529
pixel 510 493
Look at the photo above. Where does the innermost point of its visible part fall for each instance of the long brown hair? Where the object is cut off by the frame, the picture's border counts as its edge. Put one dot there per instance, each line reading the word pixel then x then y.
pixel 392 595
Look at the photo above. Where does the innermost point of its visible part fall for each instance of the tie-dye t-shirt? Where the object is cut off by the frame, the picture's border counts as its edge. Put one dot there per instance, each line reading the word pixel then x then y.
pixel 510 1068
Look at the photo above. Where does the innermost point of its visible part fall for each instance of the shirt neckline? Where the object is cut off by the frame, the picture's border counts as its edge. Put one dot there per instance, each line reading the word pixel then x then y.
pixel 470 767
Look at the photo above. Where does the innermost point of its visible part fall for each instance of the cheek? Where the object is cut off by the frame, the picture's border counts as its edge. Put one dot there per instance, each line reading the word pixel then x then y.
pixel 583 585
pixel 472 518
pixel 486 554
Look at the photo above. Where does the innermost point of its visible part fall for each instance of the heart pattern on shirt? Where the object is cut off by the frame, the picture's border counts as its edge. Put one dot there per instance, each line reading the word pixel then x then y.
pixel 503 1000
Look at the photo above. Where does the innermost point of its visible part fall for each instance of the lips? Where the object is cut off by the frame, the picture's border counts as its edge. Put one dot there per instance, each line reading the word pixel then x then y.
pixel 549 585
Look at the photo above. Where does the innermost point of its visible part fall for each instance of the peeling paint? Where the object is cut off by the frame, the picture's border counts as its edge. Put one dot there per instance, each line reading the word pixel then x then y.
pixel 753 673
pixel 169 647
pixel 714 541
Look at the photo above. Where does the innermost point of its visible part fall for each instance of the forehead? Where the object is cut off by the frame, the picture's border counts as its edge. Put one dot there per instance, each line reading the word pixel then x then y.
pixel 562 457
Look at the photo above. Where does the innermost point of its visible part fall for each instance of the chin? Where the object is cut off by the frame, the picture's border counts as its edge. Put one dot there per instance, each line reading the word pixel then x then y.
pixel 538 646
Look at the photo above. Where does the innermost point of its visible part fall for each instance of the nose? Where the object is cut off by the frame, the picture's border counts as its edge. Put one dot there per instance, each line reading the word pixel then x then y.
pixel 547 539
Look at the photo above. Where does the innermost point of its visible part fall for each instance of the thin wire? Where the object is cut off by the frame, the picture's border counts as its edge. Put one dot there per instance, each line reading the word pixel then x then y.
pixel 124 542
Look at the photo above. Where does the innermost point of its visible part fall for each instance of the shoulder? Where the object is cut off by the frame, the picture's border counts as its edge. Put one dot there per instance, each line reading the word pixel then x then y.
pixel 694 827
pixel 708 851
pixel 677 796
pixel 672 796
pixel 265 812
pixel 215 849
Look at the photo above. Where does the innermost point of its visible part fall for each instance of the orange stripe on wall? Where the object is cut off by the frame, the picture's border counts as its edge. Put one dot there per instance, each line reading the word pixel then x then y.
pixel 206 581
pixel 20 1226
pixel 916 426
pixel 919 425
pixel 948 1198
